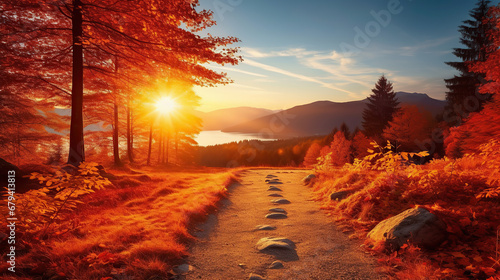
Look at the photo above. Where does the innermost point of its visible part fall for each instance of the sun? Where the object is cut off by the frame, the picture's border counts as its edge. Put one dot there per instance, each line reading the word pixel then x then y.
pixel 166 105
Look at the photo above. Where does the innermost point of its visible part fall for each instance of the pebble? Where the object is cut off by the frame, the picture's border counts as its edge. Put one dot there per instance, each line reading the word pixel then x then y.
pixel 275 195
pixel 265 227
pixel 274 189
pixel 279 210
pixel 276 265
pixel 276 216
pixel 254 276
pixel 281 201
pixel 275 183
pixel 275 242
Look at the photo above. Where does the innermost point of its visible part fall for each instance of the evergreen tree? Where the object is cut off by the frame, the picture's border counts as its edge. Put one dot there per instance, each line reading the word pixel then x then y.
pixel 381 106
pixel 462 88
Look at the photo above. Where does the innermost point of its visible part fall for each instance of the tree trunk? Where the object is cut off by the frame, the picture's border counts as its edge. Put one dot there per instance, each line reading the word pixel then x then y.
pixel 76 145
pixel 150 143
pixel 129 141
pixel 160 149
pixel 116 151
pixel 176 147
pixel 166 150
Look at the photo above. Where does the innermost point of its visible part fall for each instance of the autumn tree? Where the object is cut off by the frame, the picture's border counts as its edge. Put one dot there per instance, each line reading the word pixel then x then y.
pixel 312 154
pixel 461 97
pixel 360 145
pixel 480 127
pixel 379 110
pixel 408 125
pixel 155 36
pixel 341 149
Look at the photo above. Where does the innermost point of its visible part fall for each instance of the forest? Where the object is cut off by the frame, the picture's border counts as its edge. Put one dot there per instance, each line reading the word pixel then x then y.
pixel 98 124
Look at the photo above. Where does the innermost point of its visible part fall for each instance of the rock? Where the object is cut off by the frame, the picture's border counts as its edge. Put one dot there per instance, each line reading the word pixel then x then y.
pixel 276 216
pixel 275 242
pixel 339 195
pixel 281 201
pixel 276 265
pixel 275 195
pixel 275 183
pixel 274 189
pixel 417 226
pixel 265 227
pixel 183 268
pixel 308 179
pixel 271 176
pixel 254 276
pixel 278 210
pixel 242 265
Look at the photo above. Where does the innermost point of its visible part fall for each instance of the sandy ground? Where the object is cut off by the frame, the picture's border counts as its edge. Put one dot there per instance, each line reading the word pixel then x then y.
pixel 226 247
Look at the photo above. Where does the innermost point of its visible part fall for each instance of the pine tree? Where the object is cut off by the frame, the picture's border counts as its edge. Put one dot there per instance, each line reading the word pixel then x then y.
pixel 381 106
pixel 461 97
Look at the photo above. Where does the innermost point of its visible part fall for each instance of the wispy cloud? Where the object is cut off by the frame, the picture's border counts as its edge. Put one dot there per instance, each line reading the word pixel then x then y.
pixel 295 52
pixel 424 46
pixel 295 75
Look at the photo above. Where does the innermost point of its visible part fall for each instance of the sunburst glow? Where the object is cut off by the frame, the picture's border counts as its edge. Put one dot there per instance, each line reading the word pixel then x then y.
pixel 166 105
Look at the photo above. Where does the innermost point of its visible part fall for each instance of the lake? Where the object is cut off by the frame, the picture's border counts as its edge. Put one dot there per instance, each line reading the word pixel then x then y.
pixel 215 137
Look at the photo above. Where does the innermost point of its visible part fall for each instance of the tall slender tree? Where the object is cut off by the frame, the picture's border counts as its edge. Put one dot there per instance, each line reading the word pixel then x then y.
pixel 462 88
pixel 381 106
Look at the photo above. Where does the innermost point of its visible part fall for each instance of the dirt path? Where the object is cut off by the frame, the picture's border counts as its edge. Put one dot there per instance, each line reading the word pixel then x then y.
pixel 226 248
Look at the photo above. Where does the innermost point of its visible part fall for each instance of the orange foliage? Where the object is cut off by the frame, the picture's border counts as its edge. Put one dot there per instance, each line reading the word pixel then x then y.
pixel 132 232
pixel 409 124
pixel 463 193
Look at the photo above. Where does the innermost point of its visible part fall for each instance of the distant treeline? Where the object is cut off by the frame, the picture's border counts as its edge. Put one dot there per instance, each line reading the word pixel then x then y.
pixel 289 152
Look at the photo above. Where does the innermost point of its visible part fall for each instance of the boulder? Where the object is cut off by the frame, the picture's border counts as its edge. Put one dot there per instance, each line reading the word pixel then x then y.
pixel 417 226
pixel 308 179
pixel 337 196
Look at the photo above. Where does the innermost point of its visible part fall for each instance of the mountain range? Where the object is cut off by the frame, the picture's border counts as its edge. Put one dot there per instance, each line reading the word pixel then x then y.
pixel 317 118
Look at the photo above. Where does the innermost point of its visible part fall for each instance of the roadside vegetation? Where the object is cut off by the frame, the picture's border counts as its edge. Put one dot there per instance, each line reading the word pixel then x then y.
pixel 135 225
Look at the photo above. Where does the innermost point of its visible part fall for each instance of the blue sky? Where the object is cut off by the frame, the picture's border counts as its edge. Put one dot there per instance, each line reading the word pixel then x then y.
pixel 296 51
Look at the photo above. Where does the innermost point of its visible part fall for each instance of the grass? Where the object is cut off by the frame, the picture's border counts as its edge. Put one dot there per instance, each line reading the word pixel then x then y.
pixel 138 230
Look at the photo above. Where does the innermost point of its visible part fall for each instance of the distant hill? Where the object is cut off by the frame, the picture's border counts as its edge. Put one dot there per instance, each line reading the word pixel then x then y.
pixel 220 119
pixel 319 118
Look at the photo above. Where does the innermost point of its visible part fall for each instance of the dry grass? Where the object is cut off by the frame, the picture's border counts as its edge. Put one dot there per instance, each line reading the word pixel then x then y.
pixel 136 231
pixel 449 189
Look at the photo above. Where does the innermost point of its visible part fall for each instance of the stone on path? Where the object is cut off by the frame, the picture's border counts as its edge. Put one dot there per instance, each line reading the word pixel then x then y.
pixel 276 265
pixel 276 216
pixel 274 189
pixel 417 226
pixel 275 242
pixel 281 201
pixel 275 183
pixel 265 227
pixel 279 210
pixel 271 176
pixel 254 276
pixel 275 195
